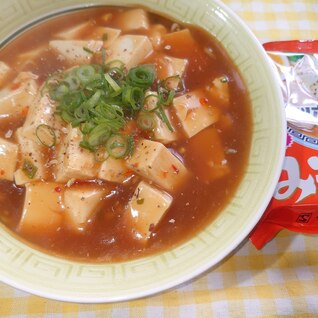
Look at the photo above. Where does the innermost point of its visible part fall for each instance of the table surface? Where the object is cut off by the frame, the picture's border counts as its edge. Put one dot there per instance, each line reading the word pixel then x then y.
pixel 281 280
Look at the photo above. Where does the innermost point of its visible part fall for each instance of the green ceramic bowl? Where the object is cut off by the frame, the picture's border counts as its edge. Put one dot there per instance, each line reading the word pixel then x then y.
pixel 47 276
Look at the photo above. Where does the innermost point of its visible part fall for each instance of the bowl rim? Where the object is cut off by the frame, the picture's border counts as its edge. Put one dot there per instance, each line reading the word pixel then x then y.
pixel 202 268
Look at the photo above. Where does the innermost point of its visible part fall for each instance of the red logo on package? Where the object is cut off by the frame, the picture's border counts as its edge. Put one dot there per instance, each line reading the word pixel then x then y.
pixel 299 178
pixel 294 205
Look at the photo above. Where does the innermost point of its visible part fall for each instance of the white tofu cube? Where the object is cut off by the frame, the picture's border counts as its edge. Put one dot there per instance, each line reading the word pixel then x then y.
pixel 172 66
pixel 219 91
pixel 107 35
pixel 76 51
pixel 5 70
pixel 19 95
pixel 101 33
pixel 43 209
pixel 130 49
pixel 8 159
pixel 32 152
pixel 73 32
pixel 132 20
pixel 81 204
pixel 73 160
pixel 178 66
pixel 145 210
pixel 154 161
pixel 41 111
pixel 156 33
pixel 194 112
pixel 114 170
pixel 161 132
pixel 21 178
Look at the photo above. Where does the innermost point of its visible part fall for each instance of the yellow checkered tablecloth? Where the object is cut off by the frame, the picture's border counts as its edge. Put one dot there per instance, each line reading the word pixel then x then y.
pixel 280 280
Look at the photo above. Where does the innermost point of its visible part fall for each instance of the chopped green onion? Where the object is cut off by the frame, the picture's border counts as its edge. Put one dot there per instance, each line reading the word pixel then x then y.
pixel 99 135
pixel 101 154
pixel 133 96
pixel 166 97
pixel 116 73
pixel 141 76
pixel 112 83
pixel 103 56
pixel 81 114
pixel 146 121
pixel 46 135
pixel 131 145
pixel 115 63
pixel 117 146
pixel 84 144
pixel 66 116
pixel 85 73
pixel 105 37
pixel 111 114
pixel 87 127
pixel 93 100
pixel 60 91
pixel 151 103
pixel 98 68
pixel 162 115
pixel 86 49
pixel 72 82
pixel 29 169
pixel 174 83
pixel 101 98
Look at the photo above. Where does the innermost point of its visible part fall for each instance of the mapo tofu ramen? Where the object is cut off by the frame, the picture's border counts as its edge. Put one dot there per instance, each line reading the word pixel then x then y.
pixel 122 133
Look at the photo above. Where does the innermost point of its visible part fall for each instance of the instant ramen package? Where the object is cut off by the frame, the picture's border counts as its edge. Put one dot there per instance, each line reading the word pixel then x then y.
pixel 294 205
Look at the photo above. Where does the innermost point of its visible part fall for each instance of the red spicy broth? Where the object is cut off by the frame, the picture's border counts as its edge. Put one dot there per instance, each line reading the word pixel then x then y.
pixel 197 202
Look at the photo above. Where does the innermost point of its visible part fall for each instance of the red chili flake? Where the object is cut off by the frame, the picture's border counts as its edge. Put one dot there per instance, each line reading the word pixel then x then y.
pixel 15 85
pixel 175 169
pixel 151 227
pixel 164 173
pixel 2 172
pixel 58 189
pixel 136 138
pixel 147 135
pixel 25 111
pixel 204 101
pixel 81 182
pixel 128 173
